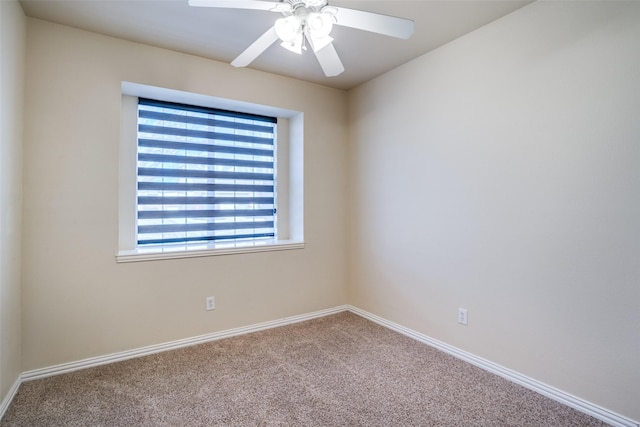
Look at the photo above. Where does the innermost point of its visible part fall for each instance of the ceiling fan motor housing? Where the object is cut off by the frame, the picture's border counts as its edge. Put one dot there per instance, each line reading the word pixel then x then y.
pixel 304 17
pixel 314 5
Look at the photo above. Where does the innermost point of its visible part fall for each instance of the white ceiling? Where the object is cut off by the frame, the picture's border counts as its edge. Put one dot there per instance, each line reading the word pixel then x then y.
pixel 222 34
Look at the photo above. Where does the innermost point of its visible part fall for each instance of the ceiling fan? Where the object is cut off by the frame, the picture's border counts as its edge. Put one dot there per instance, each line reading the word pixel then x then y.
pixel 310 21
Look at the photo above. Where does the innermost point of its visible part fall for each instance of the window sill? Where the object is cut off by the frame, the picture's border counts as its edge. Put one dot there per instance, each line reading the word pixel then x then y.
pixel 202 250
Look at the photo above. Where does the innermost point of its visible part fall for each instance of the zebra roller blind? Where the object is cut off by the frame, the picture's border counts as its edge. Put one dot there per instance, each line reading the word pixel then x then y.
pixel 203 174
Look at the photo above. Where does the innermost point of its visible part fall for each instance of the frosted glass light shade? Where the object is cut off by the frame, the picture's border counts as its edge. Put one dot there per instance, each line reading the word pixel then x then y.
pixel 288 29
pixel 294 45
pixel 319 24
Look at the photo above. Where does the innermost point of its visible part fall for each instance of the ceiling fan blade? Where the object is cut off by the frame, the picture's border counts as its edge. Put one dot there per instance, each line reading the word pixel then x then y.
pixel 368 21
pixel 256 48
pixel 329 61
pixel 274 6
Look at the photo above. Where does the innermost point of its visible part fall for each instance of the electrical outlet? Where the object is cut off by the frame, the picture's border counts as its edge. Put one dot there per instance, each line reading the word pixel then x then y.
pixel 211 303
pixel 462 316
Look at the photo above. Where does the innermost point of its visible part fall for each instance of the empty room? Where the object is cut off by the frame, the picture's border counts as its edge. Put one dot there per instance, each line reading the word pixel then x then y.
pixel 301 212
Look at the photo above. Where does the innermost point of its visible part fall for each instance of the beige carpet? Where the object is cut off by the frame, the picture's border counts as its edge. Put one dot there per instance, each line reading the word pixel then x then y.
pixel 340 370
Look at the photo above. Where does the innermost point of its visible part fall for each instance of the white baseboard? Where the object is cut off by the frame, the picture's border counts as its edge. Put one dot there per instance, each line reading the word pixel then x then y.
pixel 10 395
pixel 537 386
pixel 546 390
pixel 173 345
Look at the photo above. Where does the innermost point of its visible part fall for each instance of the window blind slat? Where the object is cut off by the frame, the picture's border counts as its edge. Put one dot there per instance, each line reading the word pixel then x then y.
pixel 208 226
pixel 168 200
pixel 178 186
pixel 178 118
pixel 220 237
pixel 212 213
pixel 194 173
pixel 211 148
pixel 212 161
pixel 194 133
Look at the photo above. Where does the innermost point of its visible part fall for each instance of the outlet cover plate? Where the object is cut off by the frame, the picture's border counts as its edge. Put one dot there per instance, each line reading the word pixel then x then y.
pixel 462 316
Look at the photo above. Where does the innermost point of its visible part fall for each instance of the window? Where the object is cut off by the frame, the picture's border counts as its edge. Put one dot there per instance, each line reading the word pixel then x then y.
pixel 204 174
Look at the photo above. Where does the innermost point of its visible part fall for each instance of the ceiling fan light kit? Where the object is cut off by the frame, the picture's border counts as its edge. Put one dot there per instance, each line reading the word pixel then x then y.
pixel 310 20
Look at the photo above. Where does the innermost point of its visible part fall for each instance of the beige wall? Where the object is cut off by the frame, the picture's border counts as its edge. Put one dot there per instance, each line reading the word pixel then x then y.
pixel 12 51
pixel 78 302
pixel 500 173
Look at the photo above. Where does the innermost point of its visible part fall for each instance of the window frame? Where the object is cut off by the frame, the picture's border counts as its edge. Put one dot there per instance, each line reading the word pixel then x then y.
pixel 290 180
